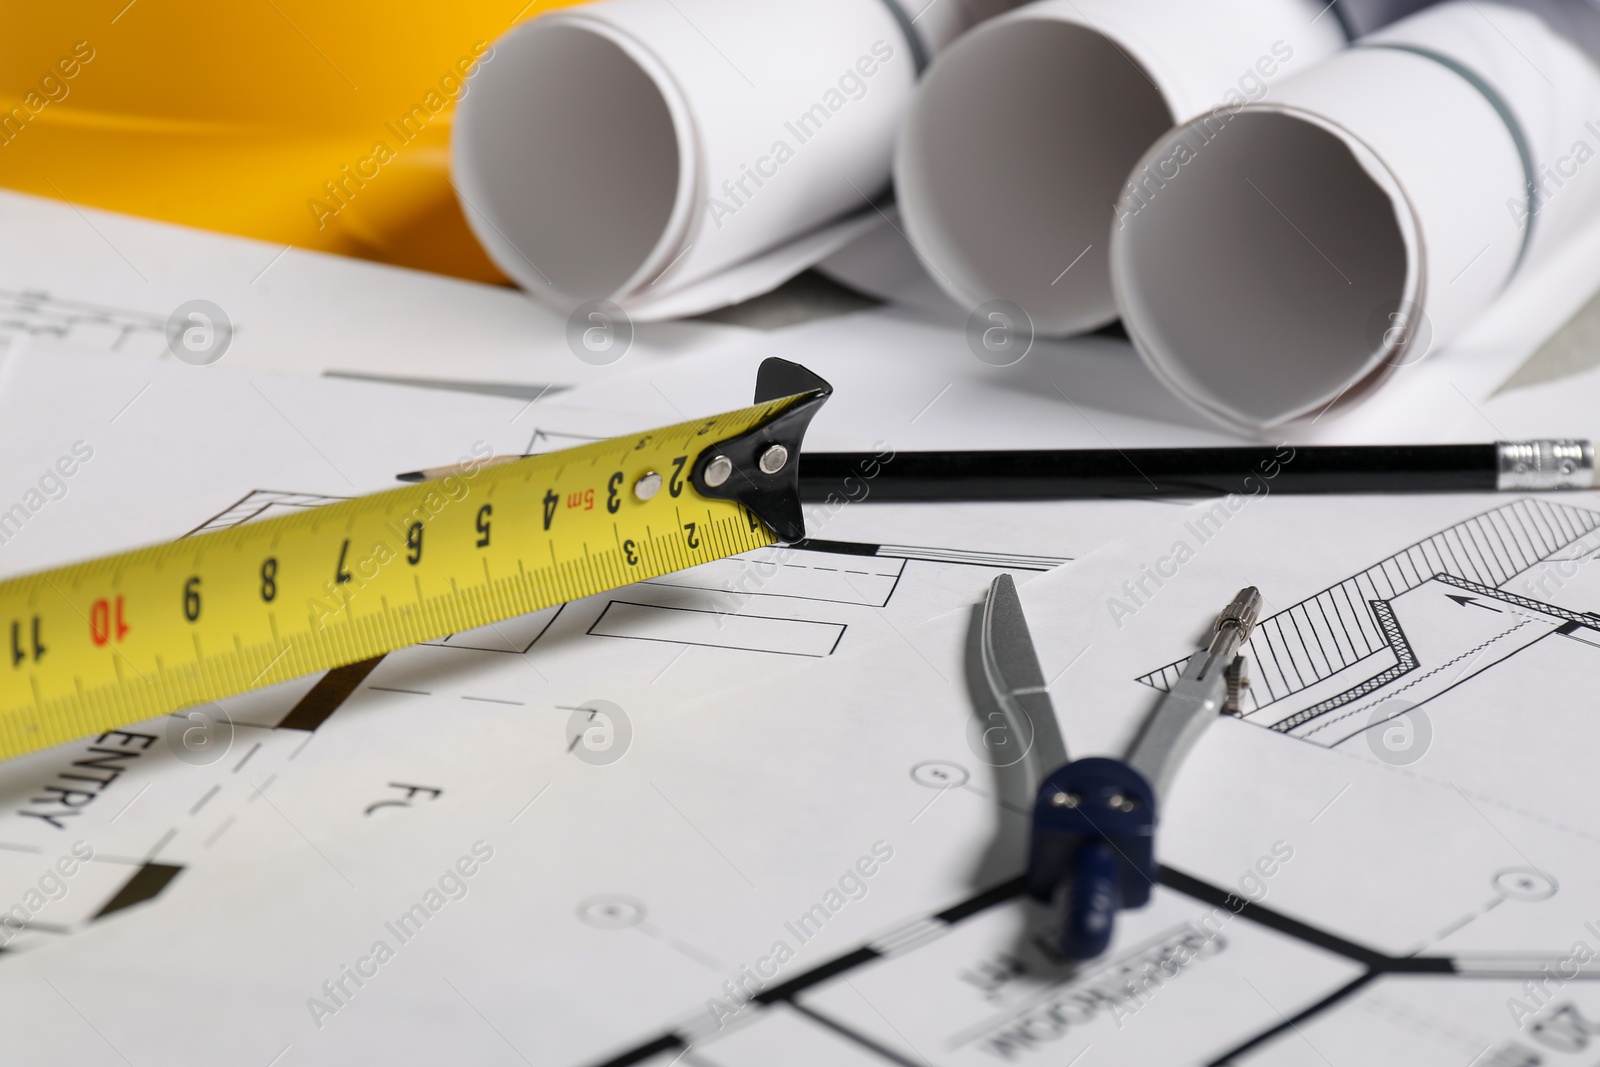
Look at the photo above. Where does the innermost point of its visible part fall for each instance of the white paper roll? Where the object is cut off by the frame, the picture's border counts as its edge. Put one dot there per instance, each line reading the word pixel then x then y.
pixel 881 263
pixel 672 156
pixel 1024 131
pixel 1275 259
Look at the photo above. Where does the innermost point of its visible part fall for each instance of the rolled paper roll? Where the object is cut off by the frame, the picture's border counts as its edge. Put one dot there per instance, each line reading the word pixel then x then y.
pixel 1361 17
pixel 1275 259
pixel 673 156
pixel 881 263
pixel 1024 131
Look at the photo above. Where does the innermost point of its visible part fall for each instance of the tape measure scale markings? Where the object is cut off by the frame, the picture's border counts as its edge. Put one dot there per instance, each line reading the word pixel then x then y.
pixel 127 637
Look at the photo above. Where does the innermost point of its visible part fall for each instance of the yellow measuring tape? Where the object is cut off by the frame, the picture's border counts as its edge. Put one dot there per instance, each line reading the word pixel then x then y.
pixel 131 636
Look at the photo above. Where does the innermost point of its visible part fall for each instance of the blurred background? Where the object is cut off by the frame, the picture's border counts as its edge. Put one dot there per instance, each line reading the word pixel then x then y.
pixel 232 117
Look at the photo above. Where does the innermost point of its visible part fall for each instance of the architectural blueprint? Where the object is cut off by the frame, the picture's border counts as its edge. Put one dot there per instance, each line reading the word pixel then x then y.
pixel 81 434
pixel 814 600
pixel 970 984
pixel 99 281
pixel 1323 665
pixel 739 815
pixel 34 314
pixel 151 813
pixel 825 875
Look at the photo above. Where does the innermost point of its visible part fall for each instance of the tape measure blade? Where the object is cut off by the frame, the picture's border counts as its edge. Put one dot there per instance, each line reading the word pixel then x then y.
pixel 131 636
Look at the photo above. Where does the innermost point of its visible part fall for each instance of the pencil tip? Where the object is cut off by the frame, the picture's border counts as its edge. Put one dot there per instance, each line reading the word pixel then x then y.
pixel 412 476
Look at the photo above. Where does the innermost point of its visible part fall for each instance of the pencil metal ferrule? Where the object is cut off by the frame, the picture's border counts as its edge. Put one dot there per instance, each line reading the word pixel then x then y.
pixel 1544 465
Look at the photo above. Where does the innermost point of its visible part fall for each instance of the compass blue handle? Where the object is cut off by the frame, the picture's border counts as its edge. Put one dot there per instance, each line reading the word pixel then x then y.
pixel 1093 898
pixel 1091 852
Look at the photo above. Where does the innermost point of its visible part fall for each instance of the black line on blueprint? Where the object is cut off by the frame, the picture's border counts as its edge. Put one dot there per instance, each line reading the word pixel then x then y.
pixel 145 884
pixel 1506 596
pixel 1563 515
pixel 1485 546
pixel 1274 920
pixel 1540 535
pixel 1458 682
pixel 1356 614
pixel 1454 554
pixel 1405 662
pixel 1335 665
pixel 995 560
pixel 224 511
pixel 1374 962
pixel 1272 646
pixel 697 611
pixel 546 628
pixel 896 586
pixel 1450 545
pixel 1528 543
pixel 823 971
pixel 1299 635
pixel 703 644
pixel 1294 1021
pixel 1498 541
pixel 1336 661
pixel 861 1039
pixel 444 642
pixel 664 1043
pixel 1554 527
pixel 323 498
pixel 987 899
pixel 331 690
pixel 1497 545
pixel 820 973
pixel 808 598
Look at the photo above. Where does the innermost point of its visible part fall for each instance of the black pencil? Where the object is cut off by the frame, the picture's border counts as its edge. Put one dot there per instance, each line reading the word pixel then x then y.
pixel 1197 472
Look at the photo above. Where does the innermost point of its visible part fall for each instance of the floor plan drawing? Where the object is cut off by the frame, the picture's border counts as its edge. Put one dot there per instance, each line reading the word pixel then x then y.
pixel 93 326
pixel 627 870
pixel 959 987
pixel 263 504
pixel 162 813
pixel 1407 629
pixel 1482 630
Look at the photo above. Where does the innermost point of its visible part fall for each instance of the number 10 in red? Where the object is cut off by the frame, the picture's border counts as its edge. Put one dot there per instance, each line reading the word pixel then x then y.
pixel 101 619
